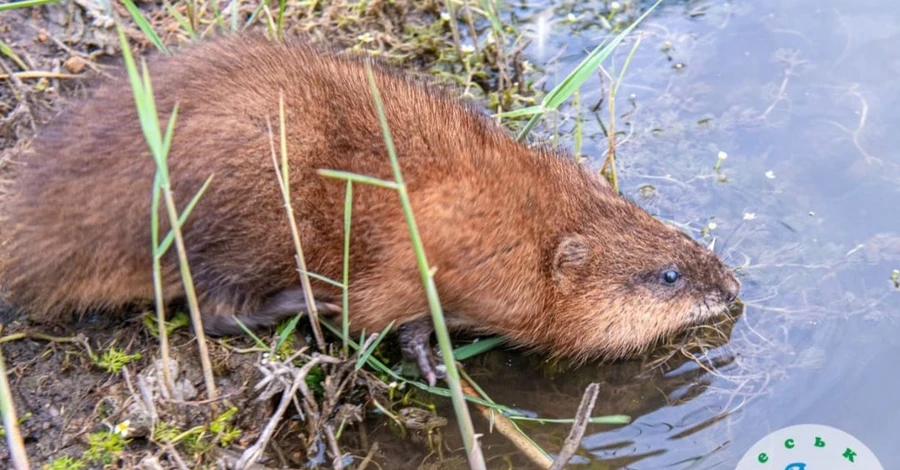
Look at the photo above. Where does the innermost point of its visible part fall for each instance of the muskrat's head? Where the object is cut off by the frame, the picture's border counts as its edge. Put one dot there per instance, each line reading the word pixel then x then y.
pixel 623 280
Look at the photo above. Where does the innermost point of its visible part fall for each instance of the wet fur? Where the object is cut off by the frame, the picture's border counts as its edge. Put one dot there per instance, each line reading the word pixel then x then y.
pixel 526 243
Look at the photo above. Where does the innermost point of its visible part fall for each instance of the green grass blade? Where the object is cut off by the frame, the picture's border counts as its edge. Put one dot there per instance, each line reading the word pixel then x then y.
pixel 170 130
pixel 256 11
pixel 627 63
pixel 24 4
pixel 347 176
pixel 170 237
pixel 260 343
pixel 8 52
pixel 471 350
pixel 218 15
pixel 464 420
pixel 279 31
pixel 609 419
pixel 561 92
pixel 368 352
pixel 324 279
pixel 145 26
pixel 150 122
pixel 488 7
pixel 137 85
pixel 527 111
pixel 285 333
pixel 345 291
pixel 181 20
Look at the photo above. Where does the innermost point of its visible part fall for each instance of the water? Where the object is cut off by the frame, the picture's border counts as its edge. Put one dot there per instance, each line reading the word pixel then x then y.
pixel 803 98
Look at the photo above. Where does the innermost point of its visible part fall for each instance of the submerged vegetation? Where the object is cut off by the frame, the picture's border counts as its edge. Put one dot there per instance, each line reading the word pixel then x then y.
pixel 149 412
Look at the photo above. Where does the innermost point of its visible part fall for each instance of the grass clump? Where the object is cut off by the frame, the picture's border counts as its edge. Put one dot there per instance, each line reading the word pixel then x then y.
pixel 200 440
pixel 65 463
pixel 105 446
pixel 113 359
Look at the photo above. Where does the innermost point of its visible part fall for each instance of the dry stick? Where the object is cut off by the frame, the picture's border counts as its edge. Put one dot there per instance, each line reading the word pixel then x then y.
pixel 337 463
pixel 17 455
pixel 371 455
pixel 454 29
pixel 176 457
pixel 253 453
pixel 504 426
pixel 582 418
pixel 45 337
pixel 284 183
pixel 191 295
pixel 611 136
pixel 159 303
pixel 37 74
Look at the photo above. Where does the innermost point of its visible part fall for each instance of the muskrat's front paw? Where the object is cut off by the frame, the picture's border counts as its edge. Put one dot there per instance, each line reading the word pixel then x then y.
pixel 415 342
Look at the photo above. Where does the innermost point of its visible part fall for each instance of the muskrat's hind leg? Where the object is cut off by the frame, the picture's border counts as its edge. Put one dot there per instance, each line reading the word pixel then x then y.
pixel 220 318
pixel 415 342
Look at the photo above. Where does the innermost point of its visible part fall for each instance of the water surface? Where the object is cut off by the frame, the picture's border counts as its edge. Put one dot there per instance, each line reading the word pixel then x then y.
pixel 803 98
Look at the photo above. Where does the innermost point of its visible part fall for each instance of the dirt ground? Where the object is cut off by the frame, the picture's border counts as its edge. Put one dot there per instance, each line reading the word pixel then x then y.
pixel 88 395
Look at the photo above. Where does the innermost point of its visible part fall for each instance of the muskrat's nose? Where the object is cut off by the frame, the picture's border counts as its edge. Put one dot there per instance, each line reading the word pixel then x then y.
pixel 731 287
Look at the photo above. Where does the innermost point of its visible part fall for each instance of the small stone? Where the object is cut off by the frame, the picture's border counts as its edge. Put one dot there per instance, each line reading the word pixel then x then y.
pixel 75 64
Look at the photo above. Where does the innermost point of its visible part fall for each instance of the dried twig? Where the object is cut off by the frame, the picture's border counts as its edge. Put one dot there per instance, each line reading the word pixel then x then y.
pixel 176 457
pixel 582 418
pixel 284 184
pixel 31 74
pixel 17 456
pixel 505 426
pixel 253 453
pixel 337 462
pixel 371 455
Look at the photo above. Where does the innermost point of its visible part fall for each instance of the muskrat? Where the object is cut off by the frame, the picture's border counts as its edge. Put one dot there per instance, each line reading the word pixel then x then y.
pixel 526 243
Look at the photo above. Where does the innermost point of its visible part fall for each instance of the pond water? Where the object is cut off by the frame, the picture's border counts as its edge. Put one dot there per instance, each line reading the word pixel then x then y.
pixel 803 98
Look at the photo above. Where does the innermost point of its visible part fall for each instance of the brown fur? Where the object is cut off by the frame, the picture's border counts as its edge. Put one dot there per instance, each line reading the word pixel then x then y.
pixel 526 243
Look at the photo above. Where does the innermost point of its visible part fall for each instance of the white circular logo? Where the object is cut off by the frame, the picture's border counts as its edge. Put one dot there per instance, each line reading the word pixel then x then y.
pixel 809 447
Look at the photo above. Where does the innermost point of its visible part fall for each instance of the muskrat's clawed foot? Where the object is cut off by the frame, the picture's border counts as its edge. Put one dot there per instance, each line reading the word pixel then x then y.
pixel 415 342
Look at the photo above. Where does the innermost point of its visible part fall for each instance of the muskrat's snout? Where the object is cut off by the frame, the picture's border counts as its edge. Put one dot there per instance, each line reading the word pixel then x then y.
pixel 731 287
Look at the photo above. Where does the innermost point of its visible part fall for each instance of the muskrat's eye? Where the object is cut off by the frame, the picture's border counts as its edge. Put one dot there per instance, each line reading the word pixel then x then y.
pixel 671 276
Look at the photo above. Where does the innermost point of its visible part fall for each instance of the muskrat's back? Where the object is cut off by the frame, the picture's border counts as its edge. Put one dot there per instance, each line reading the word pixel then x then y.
pixel 526 243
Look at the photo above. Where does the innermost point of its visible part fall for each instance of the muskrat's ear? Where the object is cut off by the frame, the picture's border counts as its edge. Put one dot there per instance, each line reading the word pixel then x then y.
pixel 572 254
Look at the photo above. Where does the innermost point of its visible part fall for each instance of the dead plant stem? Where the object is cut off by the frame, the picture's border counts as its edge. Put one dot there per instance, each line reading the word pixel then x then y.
pixel 18 457
pixel 284 183
pixel 191 294
pixel 582 418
